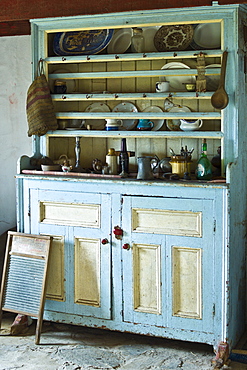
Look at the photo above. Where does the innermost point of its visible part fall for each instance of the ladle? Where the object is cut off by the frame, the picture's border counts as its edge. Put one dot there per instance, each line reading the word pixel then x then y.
pixel 219 99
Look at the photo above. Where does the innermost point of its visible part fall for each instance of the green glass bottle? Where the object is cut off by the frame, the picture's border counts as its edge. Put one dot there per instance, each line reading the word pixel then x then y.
pixel 204 167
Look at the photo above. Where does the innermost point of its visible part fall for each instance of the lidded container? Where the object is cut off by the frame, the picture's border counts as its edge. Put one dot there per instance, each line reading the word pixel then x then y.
pixel 111 160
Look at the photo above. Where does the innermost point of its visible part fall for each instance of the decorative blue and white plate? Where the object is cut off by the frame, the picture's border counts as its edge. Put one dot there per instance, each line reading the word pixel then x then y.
pixel 82 42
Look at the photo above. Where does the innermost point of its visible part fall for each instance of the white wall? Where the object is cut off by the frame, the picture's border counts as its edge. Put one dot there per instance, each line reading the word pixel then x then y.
pixel 15 78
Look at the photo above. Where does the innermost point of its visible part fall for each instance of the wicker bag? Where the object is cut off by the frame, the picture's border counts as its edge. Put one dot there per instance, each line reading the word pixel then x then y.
pixel 41 115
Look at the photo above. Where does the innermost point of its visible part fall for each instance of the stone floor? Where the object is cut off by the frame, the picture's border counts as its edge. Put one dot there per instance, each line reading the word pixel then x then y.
pixel 72 348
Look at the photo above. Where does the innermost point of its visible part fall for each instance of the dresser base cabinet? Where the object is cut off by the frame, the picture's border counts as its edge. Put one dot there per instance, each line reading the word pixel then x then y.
pixel 166 276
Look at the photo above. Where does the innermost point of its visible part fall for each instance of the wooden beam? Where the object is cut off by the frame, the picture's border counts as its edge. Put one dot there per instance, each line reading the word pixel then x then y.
pixel 15 28
pixel 15 14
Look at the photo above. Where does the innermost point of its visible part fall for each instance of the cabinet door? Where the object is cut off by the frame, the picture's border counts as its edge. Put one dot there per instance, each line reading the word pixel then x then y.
pixel 168 272
pixel 79 267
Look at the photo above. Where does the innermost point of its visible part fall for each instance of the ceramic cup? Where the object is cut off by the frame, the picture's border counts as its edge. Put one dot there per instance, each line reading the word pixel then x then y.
pixel 113 124
pixel 145 124
pixel 162 86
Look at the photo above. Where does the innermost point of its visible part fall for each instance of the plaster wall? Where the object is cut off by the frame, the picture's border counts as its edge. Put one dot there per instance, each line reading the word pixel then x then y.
pixel 15 78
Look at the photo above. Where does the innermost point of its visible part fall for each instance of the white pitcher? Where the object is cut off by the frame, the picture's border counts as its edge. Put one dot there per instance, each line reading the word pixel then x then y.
pixel 190 125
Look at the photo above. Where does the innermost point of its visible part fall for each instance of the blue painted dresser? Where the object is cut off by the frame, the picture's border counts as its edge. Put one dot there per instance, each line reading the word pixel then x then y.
pixel 178 270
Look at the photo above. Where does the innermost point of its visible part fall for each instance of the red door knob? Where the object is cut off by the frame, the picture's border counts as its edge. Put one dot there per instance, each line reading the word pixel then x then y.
pixel 126 246
pixel 118 232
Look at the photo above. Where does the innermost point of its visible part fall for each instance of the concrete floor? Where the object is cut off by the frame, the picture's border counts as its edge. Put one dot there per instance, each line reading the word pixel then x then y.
pixel 72 348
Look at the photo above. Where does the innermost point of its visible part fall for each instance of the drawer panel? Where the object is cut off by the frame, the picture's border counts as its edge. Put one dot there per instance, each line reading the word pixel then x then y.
pixel 83 215
pixel 171 222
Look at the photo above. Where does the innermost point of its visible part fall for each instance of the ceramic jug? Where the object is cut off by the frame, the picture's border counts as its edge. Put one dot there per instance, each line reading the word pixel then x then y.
pixel 190 125
pixel 145 171
pixel 145 125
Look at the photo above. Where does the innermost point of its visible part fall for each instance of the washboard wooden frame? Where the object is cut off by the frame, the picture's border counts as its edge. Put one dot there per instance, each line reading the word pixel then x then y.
pixel 24 276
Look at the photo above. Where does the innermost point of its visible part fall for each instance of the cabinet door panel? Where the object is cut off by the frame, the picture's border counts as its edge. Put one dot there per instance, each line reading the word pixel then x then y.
pixel 82 220
pixel 168 272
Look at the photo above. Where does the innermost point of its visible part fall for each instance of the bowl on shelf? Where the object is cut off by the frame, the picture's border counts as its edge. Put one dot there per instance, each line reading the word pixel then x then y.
pixel 190 87
pixel 51 167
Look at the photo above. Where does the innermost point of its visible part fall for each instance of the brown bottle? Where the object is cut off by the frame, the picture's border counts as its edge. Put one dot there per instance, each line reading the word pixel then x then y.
pixel 124 159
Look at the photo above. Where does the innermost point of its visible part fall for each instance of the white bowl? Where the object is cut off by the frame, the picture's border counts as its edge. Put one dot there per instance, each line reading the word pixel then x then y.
pixel 51 167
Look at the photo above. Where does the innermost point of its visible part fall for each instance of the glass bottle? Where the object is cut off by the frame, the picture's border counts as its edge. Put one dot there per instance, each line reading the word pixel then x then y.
pixel 137 41
pixel 124 159
pixel 204 167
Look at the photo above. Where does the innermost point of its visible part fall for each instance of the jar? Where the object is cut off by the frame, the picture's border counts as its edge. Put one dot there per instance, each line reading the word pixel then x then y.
pixel 137 41
pixel 180 165
pixel 111 160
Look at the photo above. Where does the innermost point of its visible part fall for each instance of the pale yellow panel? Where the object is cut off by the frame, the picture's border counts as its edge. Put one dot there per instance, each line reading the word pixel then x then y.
pixel 146 271
pixel 84 215
pixel 157 221
pixel 186 293
pixel 87 271
pixel 55 274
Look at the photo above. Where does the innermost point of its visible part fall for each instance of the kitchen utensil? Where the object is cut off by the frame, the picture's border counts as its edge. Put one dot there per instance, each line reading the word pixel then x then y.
pixel 128 124
pixel 212 81
pixel 158 123
pixel 219 99
pixel 190 87
pixel 145 171
pixel 190 125
pixel 144 125
pixel 180 165
pixel 175 37
pixel 174 124
pixel 177 83
pixel 113 124
pixel 97 124
pixel 82 42
pixel 120 41
pixel 162 86
pixel 207 36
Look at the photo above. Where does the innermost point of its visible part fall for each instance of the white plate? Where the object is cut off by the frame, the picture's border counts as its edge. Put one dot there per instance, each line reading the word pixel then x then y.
pixel 174 124
pixel 213 80
pixel 207 36
pixel 158 123
pixel 70 83
pixel 128 124
pixel 120 41
pixel 98 124
pixel 177 83
pixel 148 34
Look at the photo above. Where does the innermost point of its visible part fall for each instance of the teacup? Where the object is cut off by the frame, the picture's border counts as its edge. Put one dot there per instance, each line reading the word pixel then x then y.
pixel 113 124
pixel 145 124
pixel 162 86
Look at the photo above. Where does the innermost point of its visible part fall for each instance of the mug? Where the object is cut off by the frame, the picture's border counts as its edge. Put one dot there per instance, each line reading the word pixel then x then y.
pixel 162 86
pixel 145 124
pixel 113 124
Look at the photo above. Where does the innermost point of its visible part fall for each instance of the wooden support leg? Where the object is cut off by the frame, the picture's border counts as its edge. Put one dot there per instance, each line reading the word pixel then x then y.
pixel 222 356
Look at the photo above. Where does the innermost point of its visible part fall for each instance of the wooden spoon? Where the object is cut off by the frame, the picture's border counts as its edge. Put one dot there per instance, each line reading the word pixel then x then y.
pixel 219 99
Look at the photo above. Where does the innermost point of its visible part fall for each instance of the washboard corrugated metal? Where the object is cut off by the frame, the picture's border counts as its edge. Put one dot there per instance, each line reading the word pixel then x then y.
pixel 24 276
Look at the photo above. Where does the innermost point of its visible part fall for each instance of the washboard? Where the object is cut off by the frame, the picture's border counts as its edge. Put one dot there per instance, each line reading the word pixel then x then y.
pixel 24 276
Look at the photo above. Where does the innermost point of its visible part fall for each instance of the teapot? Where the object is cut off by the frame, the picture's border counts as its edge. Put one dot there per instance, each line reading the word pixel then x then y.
pixel 190 125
